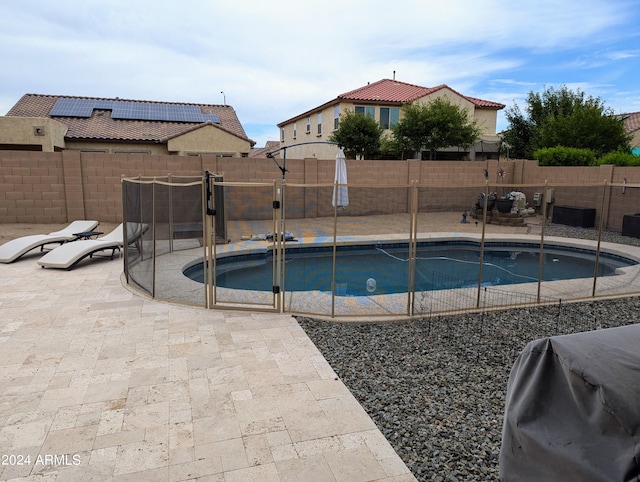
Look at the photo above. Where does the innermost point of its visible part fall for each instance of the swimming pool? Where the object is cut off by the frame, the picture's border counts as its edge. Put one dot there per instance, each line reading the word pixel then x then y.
pixel 378 269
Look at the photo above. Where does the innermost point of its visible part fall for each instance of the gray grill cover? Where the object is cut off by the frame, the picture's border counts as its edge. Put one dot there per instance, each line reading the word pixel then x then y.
pixel 573 409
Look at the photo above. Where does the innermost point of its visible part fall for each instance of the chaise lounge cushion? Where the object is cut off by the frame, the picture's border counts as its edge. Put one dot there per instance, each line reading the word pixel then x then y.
pixel 14 249
pixel 68 255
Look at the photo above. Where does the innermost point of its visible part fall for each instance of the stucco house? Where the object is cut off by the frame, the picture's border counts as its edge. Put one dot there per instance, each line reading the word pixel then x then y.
pixel 53 123
pixel 384 101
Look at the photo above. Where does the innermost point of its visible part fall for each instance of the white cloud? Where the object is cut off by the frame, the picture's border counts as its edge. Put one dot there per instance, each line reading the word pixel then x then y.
pixel 279 58
pixel 623 54
pixel 513 82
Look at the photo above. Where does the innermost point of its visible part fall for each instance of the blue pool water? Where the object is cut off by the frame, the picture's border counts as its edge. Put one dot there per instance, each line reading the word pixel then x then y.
pixel 383 269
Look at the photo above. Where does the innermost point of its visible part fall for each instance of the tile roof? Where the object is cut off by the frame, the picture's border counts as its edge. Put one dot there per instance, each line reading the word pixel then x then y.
pixel 631 121
pixel 387 91
pixel 262 151
pixel 101 126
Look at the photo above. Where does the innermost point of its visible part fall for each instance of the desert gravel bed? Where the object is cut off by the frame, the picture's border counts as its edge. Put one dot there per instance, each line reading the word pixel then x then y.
pixel 436 387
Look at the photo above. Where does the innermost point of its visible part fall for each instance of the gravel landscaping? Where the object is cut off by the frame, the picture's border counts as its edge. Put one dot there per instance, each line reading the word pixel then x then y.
pixel 436 387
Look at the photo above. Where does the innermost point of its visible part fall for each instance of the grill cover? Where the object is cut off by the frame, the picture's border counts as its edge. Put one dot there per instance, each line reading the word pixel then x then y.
pixel 573 409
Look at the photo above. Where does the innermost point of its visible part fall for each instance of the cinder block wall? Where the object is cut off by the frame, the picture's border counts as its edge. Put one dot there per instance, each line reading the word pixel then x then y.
pixel 40 187
pixel 32 188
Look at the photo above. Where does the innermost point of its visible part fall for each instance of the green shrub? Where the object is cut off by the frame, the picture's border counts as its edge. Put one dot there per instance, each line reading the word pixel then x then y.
pixel 564 156
pixel 619 158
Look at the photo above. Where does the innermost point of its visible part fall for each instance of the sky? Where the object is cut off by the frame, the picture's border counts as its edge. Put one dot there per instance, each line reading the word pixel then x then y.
pixel 274 59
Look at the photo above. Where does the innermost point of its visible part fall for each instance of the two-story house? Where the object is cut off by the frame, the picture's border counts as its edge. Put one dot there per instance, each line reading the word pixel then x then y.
pixel 53 123
pixel 384 101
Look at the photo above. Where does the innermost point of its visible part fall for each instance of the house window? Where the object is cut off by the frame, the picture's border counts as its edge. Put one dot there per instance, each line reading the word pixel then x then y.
pixel 295 130
pixel 308 125
pixel 282 134
pixel 367 110
pixel 336 117
pixel 320 124
pixel 389 117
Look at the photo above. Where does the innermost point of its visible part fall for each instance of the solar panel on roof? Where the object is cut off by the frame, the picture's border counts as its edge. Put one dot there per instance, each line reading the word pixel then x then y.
pixel 66 107
pixel 123 109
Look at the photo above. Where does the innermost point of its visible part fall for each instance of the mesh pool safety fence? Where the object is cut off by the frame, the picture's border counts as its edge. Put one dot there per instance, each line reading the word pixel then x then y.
pixel 201 223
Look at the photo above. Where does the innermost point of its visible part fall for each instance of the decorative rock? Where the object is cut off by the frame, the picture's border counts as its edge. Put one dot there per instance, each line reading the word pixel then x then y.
pixel 439 399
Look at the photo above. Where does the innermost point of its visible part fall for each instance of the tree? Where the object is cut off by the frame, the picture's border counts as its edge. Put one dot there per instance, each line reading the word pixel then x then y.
pixel 435 125
pixel 566 118
pixel 519 136
pixel 359 134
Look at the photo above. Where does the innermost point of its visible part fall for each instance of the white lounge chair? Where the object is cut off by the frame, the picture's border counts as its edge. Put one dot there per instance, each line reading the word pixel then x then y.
pixel 14 249
pixel 69 255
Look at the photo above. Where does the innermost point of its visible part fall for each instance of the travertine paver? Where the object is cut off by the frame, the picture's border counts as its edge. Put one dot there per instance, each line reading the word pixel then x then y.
pixel 97 383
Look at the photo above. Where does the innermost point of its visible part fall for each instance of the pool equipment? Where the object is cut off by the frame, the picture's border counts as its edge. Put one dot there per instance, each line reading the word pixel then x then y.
pixel 371 285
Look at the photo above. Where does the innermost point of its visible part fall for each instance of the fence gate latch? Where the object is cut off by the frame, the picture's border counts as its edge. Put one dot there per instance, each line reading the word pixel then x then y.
pixel 208 188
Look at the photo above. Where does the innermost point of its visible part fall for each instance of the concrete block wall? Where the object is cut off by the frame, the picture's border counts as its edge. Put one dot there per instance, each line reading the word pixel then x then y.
pixel 622 200
pixel 33 189
pixel 41 187
pixel 570 193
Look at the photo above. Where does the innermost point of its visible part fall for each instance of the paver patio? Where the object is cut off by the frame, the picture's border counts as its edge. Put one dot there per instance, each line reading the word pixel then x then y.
pixel 98 383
